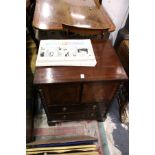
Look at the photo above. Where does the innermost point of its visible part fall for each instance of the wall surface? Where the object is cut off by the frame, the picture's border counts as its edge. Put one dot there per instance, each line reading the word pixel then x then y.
pixel 118 11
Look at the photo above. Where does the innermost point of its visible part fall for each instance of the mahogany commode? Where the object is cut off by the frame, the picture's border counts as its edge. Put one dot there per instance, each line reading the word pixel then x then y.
pixel 67 97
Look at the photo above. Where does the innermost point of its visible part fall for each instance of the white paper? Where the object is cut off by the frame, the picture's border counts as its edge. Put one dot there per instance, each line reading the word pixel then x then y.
pixel 66 53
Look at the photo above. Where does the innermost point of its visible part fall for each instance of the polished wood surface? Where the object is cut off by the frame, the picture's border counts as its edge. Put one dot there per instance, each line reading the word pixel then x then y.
pixel 89 105
pixel 67 97
pixel 108 67
pixel 104 91
pixel 55 93
pixel 51 14
pixel 83 31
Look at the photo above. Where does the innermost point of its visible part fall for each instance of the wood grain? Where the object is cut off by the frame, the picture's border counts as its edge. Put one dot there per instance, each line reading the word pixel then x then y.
pixel 51 14
pixel 108 68
pixel 67 97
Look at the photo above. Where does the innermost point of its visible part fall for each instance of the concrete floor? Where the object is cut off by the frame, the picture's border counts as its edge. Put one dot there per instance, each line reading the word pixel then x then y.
pixel 117 133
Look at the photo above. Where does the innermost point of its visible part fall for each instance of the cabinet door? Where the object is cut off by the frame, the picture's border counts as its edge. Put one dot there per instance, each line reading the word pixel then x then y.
pixel 56 94
pixel 98 91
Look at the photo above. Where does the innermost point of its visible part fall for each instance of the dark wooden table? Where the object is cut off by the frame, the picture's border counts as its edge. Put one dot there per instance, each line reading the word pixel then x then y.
pixel 66 96
pixel 51 15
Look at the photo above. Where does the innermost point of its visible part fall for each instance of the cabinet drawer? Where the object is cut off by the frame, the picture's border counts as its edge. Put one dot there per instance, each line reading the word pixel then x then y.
pixel 77 108
pixel 87 115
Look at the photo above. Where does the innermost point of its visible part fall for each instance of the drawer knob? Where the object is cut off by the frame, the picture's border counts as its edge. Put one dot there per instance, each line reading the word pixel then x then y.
pixel 64 109
pixel 94 106
pixel 64 116
pixel 92 114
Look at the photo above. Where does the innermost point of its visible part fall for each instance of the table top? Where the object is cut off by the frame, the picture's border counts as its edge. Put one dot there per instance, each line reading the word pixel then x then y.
pixel 108 68
pixel 51 14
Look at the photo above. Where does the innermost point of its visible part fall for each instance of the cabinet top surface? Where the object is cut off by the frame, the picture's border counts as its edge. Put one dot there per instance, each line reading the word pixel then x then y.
pixel 50 15
pixel 108 67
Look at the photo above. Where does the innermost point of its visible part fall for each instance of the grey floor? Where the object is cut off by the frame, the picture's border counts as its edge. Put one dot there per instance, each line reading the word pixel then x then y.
pixel 117 133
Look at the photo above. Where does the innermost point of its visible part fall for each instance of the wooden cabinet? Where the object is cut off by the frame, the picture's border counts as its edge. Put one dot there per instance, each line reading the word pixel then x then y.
pixel 67 97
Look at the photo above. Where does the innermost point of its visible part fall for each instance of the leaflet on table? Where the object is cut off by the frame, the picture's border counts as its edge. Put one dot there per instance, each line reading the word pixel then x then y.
pixel 66 53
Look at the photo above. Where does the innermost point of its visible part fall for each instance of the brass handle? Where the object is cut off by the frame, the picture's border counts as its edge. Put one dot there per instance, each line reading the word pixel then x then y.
pixel 64 116
pixel 64 109
pixel 92 114
pixel 94 106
